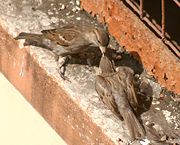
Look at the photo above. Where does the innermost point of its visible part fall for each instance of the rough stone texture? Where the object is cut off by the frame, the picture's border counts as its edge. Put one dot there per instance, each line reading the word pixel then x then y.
pixel 48 97
pixel 131 33
pixel 72 109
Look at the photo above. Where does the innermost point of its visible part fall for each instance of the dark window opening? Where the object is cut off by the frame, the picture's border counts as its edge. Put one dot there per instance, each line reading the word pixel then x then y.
pixel 163 17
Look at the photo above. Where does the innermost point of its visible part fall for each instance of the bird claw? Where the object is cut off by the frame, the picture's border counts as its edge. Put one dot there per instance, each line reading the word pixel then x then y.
pixel 63 76
pixel 62 62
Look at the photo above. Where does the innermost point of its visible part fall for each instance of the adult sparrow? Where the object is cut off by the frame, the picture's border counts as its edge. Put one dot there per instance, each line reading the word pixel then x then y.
pixel 116 90
pixel 68 40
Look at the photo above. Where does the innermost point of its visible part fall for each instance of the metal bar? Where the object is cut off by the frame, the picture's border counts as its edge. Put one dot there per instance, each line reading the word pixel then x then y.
pixel 146 19
pixel 174 47
pixel 141 8
pixel 133 6
pixel 163 19
pixel 177 2
pixel 152 26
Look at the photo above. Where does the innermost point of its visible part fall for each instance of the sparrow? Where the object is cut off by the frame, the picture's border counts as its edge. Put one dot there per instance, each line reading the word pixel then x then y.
pixel 68 40
pixel 116 90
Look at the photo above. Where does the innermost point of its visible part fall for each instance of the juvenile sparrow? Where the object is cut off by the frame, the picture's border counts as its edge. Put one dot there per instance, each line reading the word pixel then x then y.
pixel 68 40
pixel 116 90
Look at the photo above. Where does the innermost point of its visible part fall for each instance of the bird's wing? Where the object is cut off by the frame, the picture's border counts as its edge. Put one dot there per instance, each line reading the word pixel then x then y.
pixel 105 92
pixel 120 93
pixel 63 36
pixel 127 76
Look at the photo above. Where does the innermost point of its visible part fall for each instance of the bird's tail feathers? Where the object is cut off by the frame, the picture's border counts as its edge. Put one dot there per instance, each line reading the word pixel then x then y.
pixel 32 39
pixel 132 97
pixel 24 35
pixel 135 128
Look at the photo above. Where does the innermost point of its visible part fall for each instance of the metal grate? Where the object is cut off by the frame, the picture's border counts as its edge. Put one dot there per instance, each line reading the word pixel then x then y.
pixel 158 15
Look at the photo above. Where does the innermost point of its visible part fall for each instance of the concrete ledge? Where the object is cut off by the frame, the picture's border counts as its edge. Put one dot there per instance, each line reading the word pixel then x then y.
pixel 131 33
pixel 20 122
pixel 64 112
pixel 74 111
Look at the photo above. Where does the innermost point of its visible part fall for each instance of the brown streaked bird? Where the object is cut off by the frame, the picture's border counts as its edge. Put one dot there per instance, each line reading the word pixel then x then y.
pixel 116 90
pixel 68 40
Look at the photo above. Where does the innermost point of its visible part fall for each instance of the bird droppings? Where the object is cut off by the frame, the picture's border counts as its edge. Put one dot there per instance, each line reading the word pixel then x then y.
pixel 155 102
pixel 50 12
pixel 62 20
pixel 145 142
pixel 157 108
pixel 21 44
pixel 77 2
pixel 18 17
pixel 74 9
pixel 71 2
pixel 78 18
pixel 167 115
pixel 62 7
pixel 68 13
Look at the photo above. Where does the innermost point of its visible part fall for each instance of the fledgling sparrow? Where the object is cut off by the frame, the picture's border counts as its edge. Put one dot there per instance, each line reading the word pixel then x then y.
pixel 116 90
pixel 68 40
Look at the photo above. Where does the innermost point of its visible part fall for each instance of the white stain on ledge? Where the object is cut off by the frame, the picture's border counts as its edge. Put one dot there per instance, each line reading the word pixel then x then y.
pixel 34 21
pixel 145 142
pixel 167 115
pixel 22 68
pixel 171 119
pixel 78 18
pixel 155 102
pixel 62 6
pixel 157 108
pixel 21 43
pixel 77 2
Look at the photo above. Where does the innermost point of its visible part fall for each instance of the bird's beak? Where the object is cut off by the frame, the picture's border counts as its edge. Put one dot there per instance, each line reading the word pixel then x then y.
pixel 103 49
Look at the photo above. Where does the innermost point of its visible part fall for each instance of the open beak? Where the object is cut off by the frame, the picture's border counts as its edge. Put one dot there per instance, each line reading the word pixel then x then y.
pixel 103 49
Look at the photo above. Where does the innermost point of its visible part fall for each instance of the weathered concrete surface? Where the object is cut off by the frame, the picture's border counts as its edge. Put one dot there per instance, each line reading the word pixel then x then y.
pixel 131 33
pixel 72 109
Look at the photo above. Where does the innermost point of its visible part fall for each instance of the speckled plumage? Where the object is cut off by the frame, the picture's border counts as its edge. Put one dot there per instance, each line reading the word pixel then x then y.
pixel 116 90
pixel 68 40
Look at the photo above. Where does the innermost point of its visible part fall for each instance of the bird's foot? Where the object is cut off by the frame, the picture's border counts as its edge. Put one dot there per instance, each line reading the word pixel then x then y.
pixel 62 75
pixel 62 62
